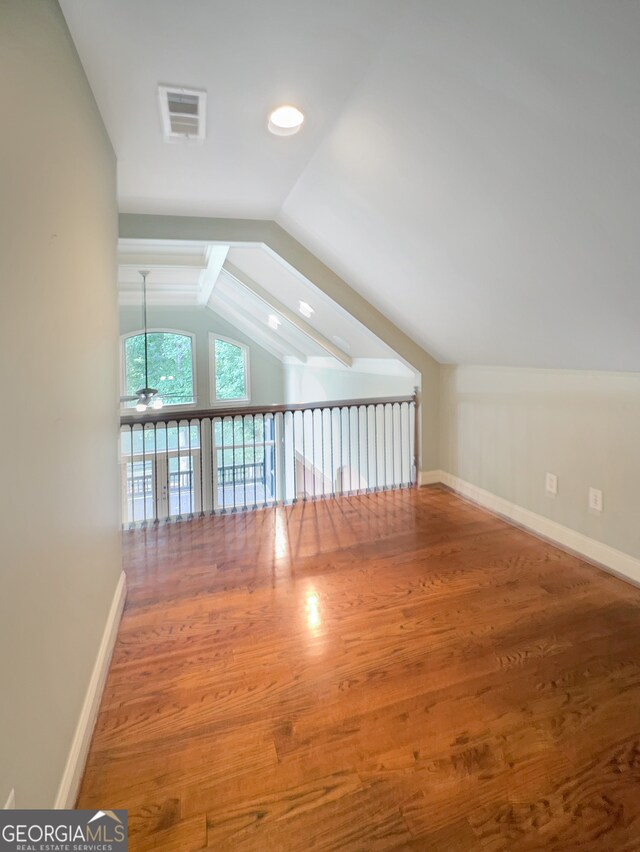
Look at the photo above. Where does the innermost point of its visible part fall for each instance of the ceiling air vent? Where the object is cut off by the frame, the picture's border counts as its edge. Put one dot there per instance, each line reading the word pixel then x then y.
pixel 183 113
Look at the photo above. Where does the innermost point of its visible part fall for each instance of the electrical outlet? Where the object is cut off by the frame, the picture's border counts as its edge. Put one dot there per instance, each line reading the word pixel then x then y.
pixel 551 484
pixel 595 499
pixel 11 801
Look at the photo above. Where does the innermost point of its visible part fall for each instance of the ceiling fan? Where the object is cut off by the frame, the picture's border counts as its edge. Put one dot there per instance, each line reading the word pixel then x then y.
pixel 146 397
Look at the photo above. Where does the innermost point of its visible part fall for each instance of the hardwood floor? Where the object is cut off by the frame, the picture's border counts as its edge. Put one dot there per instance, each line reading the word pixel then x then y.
pixel 391 671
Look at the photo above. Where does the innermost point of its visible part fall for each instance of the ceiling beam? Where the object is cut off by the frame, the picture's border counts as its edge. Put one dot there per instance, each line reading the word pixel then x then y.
pixel 291 316
pixel 219 303
pixel 216 256
pixel 156 260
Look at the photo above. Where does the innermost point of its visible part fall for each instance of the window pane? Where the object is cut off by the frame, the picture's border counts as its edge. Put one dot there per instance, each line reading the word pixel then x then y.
pixel 230 371
pixel 170 366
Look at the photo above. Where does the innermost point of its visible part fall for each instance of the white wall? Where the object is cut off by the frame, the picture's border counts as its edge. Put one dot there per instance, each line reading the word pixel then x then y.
pixel 502 429
pixel 353 448
pixel 307 383
pixel 59 504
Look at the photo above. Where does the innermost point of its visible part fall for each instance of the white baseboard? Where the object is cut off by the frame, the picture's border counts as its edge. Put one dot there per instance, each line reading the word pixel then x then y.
pixel 431 477
pixel 72 775
pixel 614 561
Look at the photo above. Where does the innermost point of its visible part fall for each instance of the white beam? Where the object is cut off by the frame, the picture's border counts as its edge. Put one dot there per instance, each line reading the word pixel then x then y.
pixel 219 303
pixel 157 260
pixel 291 316
pixel 216 256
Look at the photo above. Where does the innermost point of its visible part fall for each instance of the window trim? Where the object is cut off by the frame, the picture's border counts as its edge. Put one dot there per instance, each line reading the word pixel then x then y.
pixel 228 403
pixel 176 405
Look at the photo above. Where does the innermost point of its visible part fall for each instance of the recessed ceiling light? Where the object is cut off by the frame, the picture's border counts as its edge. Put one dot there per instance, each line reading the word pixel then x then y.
pixel 305 309
pixel 273 321
pixel 285 121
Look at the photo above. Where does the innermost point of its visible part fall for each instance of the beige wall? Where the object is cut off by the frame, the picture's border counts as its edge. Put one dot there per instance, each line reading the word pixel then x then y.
pixel 59 503
pixel 502 429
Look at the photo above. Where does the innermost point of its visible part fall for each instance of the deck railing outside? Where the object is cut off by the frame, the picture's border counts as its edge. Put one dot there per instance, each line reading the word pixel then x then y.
pixel 178 465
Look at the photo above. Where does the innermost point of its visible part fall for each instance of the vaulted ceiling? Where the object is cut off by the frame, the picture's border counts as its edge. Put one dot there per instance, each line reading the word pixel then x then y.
pixel 256 291
pixel 471 167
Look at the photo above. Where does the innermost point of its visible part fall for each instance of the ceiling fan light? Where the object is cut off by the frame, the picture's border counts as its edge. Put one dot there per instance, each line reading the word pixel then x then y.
pixel 141 406
pixel 157 403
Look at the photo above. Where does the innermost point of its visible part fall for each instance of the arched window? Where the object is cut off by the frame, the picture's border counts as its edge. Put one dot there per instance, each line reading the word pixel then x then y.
pixel 229 370
pixel 171 365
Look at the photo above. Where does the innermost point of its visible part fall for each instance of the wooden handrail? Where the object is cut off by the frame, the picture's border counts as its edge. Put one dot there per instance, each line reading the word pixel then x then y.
pixel 166 416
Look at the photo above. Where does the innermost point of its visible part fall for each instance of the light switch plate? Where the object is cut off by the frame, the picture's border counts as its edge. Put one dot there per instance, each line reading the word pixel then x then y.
pixel 551 484
pixel 595 499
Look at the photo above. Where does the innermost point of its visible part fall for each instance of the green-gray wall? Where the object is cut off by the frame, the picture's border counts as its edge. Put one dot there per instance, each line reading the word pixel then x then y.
pixel 266 370
pixel 59 520
pixel 503 429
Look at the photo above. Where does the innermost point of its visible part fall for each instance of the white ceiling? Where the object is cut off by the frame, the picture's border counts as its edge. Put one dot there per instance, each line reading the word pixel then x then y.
pixel 472 167
pixel 192 273
pixel 328 318
pixel 180 273
pixel 250 56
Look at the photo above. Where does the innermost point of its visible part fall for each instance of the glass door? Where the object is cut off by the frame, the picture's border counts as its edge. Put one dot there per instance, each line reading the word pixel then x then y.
pixel 139 490
pixel 161 473
pixel 181 490
pixel 244 452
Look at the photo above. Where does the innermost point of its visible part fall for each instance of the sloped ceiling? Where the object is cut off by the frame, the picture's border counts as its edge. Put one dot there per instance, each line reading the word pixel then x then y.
pixel 472 167
pixel 250 56
pixel 201 273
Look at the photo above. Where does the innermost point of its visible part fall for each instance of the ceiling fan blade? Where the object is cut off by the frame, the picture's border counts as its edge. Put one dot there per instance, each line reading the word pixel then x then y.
pixel 128 398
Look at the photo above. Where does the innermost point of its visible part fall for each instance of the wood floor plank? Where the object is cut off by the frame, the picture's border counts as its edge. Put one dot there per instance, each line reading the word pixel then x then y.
pixel 366 819
pixel 182 836
pixel 152 772
pixel 383 671
pixel 252 813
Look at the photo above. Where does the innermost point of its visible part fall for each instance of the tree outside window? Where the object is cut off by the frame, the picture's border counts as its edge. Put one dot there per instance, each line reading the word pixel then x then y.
pixel 230 362
pixel 170 366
